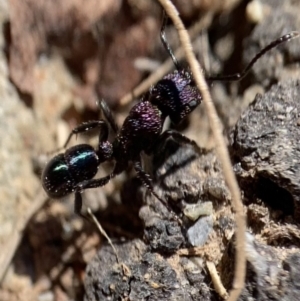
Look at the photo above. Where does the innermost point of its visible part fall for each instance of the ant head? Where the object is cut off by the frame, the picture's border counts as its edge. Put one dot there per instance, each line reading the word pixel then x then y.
pixel 176 95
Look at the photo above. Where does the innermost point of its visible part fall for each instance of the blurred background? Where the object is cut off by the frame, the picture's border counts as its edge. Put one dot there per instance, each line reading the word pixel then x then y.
pixel 56 59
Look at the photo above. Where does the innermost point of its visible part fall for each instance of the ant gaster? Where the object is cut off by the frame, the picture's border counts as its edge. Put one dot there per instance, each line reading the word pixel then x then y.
pixel 175 96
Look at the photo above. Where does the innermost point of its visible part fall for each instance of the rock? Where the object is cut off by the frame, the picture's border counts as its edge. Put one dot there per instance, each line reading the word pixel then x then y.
pixel 265 147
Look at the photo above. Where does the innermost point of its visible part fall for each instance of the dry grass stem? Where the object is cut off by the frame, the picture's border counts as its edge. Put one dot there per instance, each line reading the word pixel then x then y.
pixel 221 149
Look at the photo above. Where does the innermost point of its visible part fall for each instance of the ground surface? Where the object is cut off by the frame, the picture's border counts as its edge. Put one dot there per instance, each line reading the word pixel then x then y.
pixel 56 57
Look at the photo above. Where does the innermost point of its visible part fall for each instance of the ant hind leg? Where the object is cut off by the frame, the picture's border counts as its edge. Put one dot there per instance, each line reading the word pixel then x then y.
pixel 88 126
pixel 94 183
pixel 78 206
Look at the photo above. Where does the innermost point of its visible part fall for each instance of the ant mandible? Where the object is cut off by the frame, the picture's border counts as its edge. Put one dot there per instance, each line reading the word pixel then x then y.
pixel 174 96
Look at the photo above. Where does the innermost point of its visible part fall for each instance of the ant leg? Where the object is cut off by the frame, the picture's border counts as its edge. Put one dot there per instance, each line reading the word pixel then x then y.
pixel 78 206
pixel 176 136
pixel 85 185
pixel 77 209
pixel 108 115
pixel 240 75
pixel 88 126
pixel 93 183
pixel 78 203
pixel 85 127
pixel 147 181
pixel 165 42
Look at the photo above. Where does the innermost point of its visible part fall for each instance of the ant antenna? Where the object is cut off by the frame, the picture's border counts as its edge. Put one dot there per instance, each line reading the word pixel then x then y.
pixel 165 42
pixel 241 75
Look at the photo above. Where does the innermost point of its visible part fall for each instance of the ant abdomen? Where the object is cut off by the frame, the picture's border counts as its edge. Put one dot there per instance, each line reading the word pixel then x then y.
pixel 63 173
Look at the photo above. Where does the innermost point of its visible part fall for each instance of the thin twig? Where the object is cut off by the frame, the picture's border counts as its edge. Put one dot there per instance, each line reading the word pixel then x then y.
pixel 102 231
pixel 221 149
pixel 218 285
pixel 167 66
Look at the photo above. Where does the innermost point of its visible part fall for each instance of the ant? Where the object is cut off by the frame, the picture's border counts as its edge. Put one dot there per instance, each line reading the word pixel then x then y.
pixel 174 96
